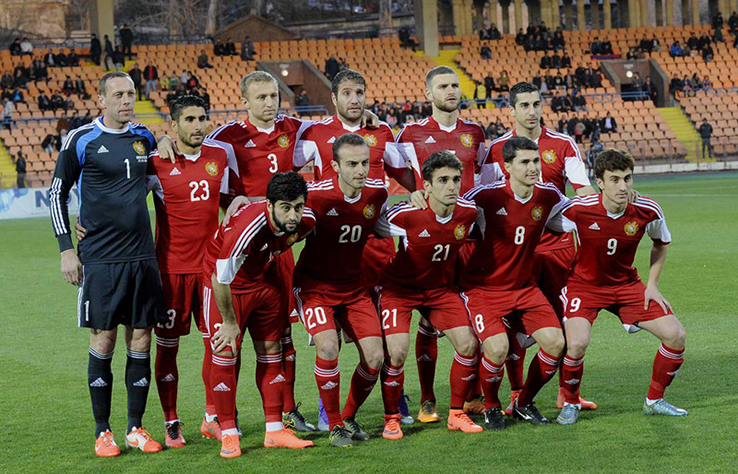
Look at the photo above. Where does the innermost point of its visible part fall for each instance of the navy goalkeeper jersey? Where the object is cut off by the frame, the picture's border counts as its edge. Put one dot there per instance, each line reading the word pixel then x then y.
pixel 109 168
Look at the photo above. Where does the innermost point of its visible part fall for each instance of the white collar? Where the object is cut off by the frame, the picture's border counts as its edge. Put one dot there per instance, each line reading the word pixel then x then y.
pixel 444 220
pixel 348 127
pixel 265 130
pixel 99 123
pixel 352 200
pixel 448 129
pixel 192 158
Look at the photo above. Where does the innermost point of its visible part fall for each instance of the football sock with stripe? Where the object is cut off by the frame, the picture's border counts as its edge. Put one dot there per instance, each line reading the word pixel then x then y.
pixel 542 369
pixel 426 354
pixel 100 382
pixel 491 375
pixel 362 383
pixel 515 363
pixel 138 379
pixel 393 380
pixel 223 383
pixel 288 367
pixel 270 380
pixel 665 367
pixel 572 371
pixel 207 364
pixel 167 375
pixel 463 378
pixel 328 378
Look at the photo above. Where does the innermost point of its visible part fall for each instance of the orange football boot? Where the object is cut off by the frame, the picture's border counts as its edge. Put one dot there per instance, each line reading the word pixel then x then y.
pixel 105 446
pixel 458 420
pixel 285 438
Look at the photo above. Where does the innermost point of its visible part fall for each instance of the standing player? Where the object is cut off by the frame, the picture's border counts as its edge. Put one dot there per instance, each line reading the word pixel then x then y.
pixel 444 130
pixel 561 162
pixel 186 197
pixel 609 229
pixel 115 268
pixel 348 93
pixel 498 281
pixel 247 246
pixel 421 277
pixel 347 208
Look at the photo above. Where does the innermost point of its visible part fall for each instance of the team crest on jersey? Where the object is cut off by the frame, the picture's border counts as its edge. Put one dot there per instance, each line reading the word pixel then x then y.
pixel 291 239
pixel 549 156
pixel 536 213
pixel 460 231
pixel 371 140
pixel 212 168
pixel 369 211
pixel 631 228
pixel 139 147
pixel 467 140
pixel 283 141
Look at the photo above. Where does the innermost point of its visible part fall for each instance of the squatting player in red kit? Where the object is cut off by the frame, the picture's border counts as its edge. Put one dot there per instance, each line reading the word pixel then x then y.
pixel 444 130
pixel 186 198
pixel 421 277
pixel 498 284
pixel 561 162
pixel 332 295
pixel 609 229
pixel 246 247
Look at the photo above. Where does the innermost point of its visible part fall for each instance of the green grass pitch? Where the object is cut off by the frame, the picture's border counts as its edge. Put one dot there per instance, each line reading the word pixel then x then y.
pixel 48 427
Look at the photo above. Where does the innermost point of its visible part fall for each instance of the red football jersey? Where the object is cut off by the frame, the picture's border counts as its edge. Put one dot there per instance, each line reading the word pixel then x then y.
pixel 316 145
pixel 333 252
pixel 466 139
pixel 241 253
pixel 608 242
pixel 257 153
pixel 561 162
pixel 186 198
pixel 429 245
pixel 510 229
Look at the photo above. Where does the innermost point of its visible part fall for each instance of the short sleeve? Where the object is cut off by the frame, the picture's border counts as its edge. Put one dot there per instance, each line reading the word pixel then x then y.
pixel 659 233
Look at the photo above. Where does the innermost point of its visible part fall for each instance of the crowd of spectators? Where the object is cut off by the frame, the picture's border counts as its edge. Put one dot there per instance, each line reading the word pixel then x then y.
pixel 601 48
pixel 556 60
pixel 540 38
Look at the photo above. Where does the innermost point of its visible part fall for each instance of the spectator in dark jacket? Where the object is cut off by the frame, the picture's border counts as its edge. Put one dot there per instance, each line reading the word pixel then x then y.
pixel 126 40
pixel 151 76
pixel 705 134
pixel 331 67
pixel 95 49
pixel 20 168
pixel 545 61
pixel 43 102
pixel 109 53
pixel 15 47
pixel 609 124
pixel 137 77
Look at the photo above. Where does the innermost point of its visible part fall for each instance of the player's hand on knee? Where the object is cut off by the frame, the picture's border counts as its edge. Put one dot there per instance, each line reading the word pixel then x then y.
pixel 653 294
pixel 236 204
pixel 419 199
pixel 80 231
pixel 71 267
pixel 227 335
pixel 167 148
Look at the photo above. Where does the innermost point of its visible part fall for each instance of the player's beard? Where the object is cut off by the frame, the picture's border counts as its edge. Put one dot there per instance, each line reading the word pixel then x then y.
pixel 441 105
pixel 281 225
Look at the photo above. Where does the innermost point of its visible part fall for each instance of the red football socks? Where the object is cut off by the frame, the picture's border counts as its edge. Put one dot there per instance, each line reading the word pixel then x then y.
pixel 270 380
pixel 463 377
pixel 167 376
pixel 665 367
pixel 491 375
pixel 542 368
pixel 571 378
pixel 362 383
pixel 329 385
pixel 393 380
pixel 288 367
pixel 426 353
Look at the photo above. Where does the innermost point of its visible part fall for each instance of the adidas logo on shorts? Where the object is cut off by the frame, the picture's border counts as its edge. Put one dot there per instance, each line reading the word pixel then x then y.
pixel 142 383
pixel 501 212
pixel 169 378
pixel 430 140
pixel 332 213
pixel 425 233
pixel 279 378
pixel 330 385
pixel 99 383
pixel 594 226
pixel 221 387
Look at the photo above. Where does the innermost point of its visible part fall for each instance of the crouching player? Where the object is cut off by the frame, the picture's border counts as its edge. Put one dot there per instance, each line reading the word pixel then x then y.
pixel 329 287
pixel 609 229
pixel 243 252
pixel 420 277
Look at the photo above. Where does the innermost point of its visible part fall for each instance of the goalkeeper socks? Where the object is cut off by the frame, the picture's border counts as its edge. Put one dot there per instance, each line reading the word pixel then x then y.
pixel 100 381
pixel 167 375
pixel 426 354
pixel 138 377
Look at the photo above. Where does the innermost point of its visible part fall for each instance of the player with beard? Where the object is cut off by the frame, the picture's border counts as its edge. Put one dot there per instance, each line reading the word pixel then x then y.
pixel 444 130
pixel 247 246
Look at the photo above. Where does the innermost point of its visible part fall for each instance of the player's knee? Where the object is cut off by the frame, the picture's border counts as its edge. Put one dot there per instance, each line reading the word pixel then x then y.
pixel 327 350
pixel 677 338
pixel 554 345
pixel 397 357
pixel 224 354
pixel 467 347
pixel 373 358
pixel 495 353
pixel 576 347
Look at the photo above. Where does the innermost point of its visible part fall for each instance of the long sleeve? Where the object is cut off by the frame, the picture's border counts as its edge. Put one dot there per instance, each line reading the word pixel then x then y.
pixel 66 173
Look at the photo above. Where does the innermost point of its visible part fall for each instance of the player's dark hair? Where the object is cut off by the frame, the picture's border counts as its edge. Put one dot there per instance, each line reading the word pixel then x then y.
pixel 286 187
pixel 111 75
pixel 178 105
pixel 347 75
pixel 513 144
pixel 437 71
pixel 347 139
pixel 438 160
pixel 521 88
pixel 613 160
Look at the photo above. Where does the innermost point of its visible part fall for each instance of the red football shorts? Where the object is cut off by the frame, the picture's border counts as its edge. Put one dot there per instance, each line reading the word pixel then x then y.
pixel 625 301
pixel 182 300
pixel 525 308
pixel 320 308
pixel 257 310
pixel 442 307
pixel 377 254
pixel 551 270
